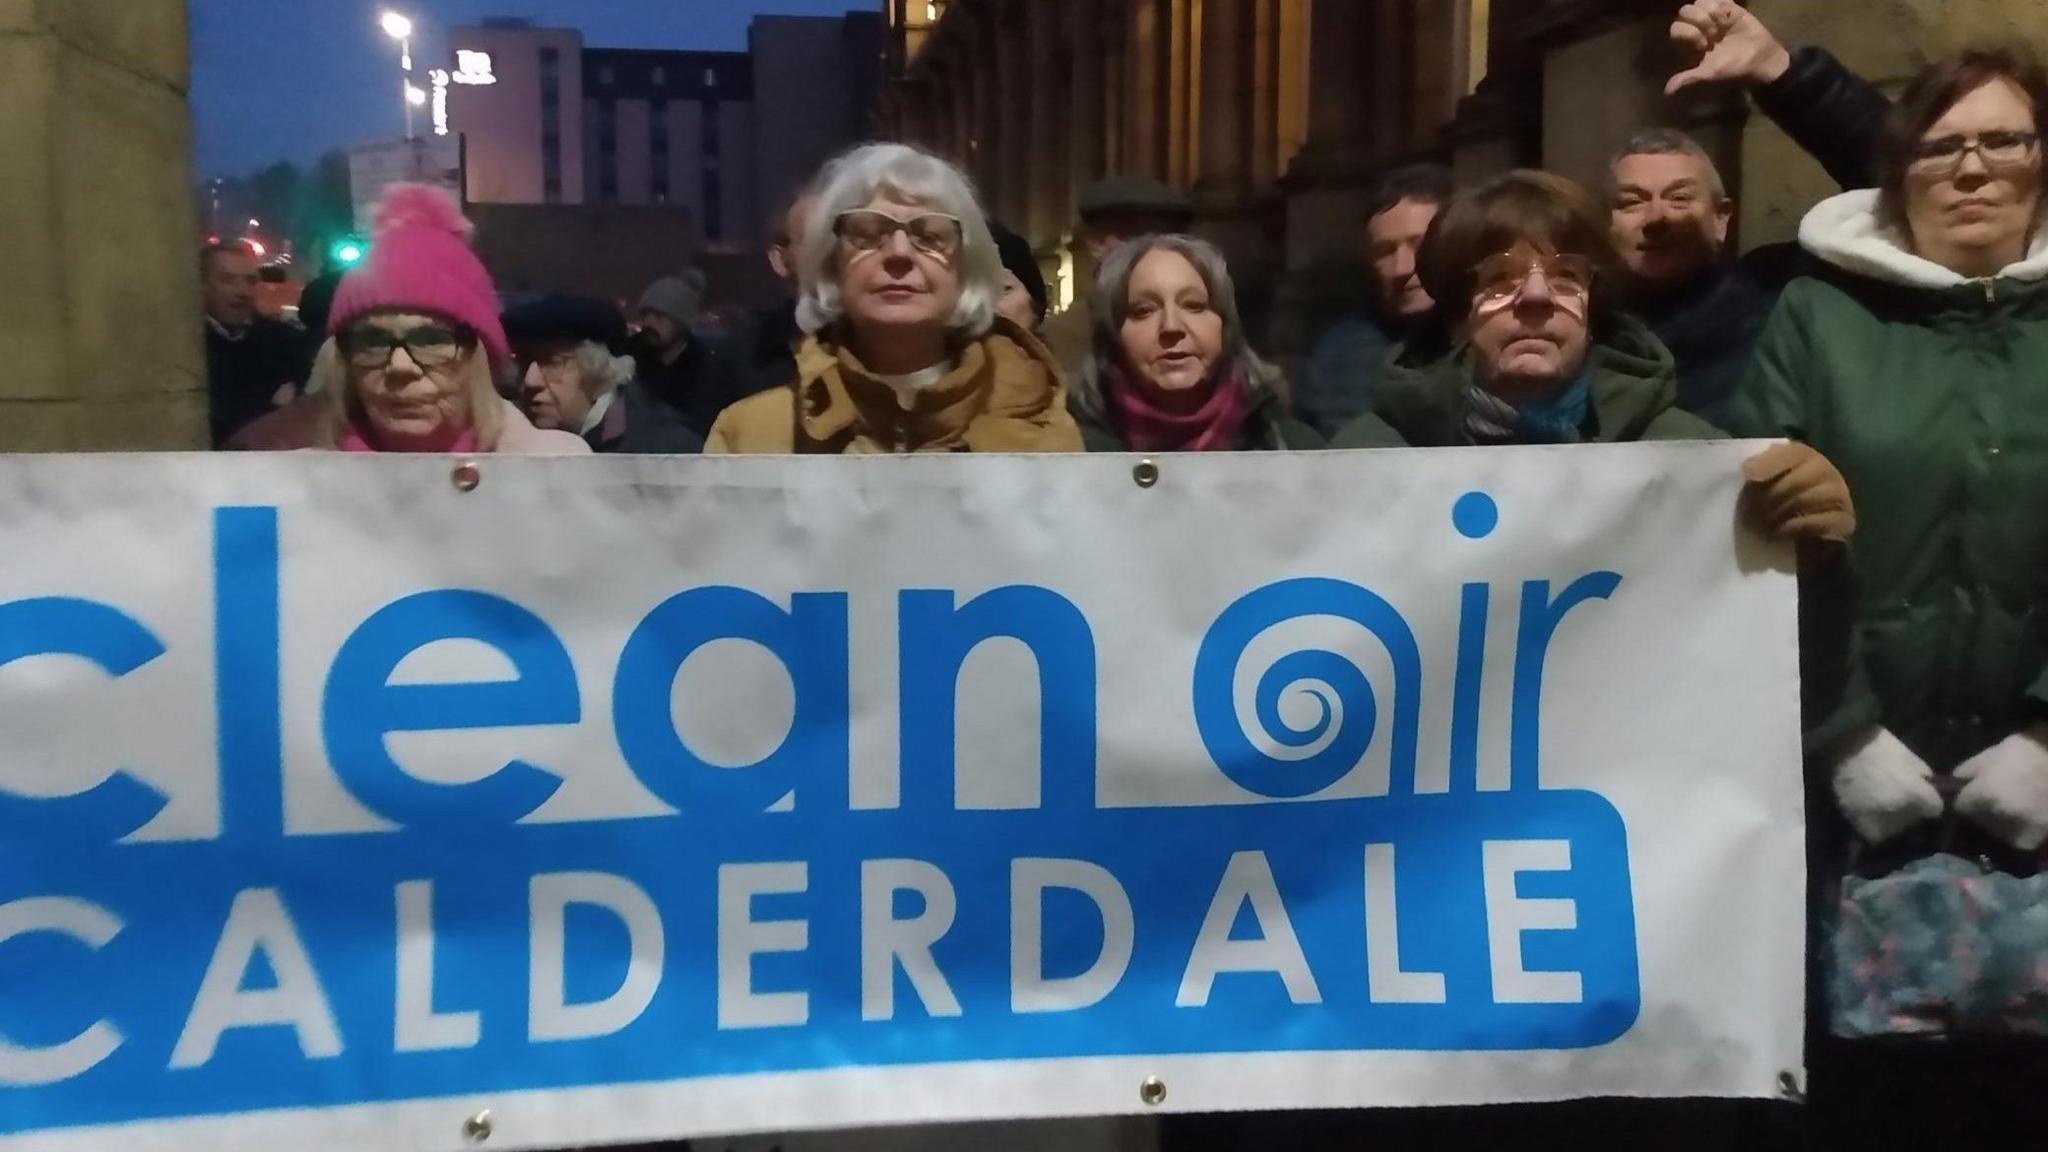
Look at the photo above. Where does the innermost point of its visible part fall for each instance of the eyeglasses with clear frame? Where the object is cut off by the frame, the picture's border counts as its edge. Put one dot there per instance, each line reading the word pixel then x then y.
pixel 935 234
pixel 1501 278
pixel 1942 157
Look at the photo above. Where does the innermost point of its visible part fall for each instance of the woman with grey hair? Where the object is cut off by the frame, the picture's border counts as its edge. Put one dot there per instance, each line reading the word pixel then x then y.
pixel 570 379
pixel 1171 370
pixel 903 351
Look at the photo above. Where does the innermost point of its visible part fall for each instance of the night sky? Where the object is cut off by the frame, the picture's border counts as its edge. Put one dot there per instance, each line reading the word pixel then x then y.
pixel 290 79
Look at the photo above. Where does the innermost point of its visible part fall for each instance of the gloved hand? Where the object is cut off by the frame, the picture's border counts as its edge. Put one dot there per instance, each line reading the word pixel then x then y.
pixel 2007 793
pixel 1884 789
pixel 1798 494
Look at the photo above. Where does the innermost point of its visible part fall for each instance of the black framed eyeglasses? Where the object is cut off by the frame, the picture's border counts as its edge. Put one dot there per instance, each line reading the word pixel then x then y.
pixel 2000 151
pixel 932 233
pixel 429 345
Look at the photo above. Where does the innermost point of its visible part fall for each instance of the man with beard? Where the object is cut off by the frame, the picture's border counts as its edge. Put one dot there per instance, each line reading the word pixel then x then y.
pixel 675 364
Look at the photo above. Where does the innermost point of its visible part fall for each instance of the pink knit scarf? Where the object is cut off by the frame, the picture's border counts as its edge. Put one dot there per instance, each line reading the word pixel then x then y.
pixel 1148 428
pixel 354 439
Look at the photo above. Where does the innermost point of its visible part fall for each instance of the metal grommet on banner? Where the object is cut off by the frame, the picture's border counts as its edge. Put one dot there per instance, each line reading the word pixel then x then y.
pixel 1788 1087
pixel 1146 473
pixel 478 1128
pixel 466 476
pixel 1153 1090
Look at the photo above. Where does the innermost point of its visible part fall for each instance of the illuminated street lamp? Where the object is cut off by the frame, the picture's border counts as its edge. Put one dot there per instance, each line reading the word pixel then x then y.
pixel 399 28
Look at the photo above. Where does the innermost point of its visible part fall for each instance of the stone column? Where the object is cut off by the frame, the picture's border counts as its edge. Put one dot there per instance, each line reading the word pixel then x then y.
pixel 1326 184
pixel 102 324
pixel 1224 180
pixel 961 82
pixel 1011 197
pixel 1345 82
pixel 1144 88
pixel 1087 103
pixel 1180 112
pixel 1223 191
pixel 979 60
pixel 1115 31
pixel 1051 135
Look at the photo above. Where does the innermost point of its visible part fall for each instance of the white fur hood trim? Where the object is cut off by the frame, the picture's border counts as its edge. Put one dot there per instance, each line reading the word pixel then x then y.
pixel 1844 231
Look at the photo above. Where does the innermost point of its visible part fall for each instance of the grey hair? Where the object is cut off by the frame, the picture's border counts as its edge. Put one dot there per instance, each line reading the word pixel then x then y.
pixel 1111 301
pixel 1666 142
pixel 600 371
pixel 913 176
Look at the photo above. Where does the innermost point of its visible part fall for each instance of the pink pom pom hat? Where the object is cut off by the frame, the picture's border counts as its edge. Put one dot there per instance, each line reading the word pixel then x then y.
pixel 420 261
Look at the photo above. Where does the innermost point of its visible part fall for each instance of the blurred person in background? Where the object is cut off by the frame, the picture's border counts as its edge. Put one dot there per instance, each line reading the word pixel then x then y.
pixel 1347 359
pixel 676 363
pixel 254 365
pixel 1113 210
pixel 572 378
pixel 1024 298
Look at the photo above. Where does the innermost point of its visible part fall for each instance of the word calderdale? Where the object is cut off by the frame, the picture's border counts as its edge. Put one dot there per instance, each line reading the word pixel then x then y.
pixel 651 799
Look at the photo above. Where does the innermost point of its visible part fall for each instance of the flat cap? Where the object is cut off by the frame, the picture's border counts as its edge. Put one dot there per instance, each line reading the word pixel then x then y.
pixel 1133 194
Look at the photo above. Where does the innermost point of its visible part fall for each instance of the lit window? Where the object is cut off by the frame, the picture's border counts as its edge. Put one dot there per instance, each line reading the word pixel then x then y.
pixel 710 78
pixel 660 77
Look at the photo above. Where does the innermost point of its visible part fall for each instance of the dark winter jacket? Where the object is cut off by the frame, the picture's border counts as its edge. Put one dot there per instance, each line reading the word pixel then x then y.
pixel 1711 329
pixel 1421 401
pixel 759 356
pixel 637 424
pixel 691 384
pixel 1836 116
pixel 1269 426
pixel 1342 372
pixel 244 375
pixel 1930 393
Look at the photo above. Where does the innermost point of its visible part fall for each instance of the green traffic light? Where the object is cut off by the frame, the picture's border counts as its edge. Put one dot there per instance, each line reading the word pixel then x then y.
pixel 349 253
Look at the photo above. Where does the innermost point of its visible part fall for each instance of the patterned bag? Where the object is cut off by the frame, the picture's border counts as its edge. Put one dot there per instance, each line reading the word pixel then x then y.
pixel 1946 935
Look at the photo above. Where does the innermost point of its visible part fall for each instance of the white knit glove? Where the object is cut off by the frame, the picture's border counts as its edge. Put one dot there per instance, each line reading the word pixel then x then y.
pixel 2007 793
pixel 1884 789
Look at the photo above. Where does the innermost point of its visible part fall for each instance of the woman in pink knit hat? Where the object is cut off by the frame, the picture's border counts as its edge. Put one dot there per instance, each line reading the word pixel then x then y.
pixel 414 337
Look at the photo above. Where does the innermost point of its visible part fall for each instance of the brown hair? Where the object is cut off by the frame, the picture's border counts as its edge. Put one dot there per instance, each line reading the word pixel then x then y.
pixel 1554 214
pixel 1928 99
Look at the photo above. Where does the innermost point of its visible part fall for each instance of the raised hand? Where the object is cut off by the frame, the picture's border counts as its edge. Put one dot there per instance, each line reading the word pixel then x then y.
pixel 1727 43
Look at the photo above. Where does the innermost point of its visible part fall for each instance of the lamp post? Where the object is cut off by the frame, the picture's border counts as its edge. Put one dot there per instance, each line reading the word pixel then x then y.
pixel 399 28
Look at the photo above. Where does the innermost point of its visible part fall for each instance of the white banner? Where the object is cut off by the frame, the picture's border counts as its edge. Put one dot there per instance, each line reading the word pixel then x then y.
pixel 566 801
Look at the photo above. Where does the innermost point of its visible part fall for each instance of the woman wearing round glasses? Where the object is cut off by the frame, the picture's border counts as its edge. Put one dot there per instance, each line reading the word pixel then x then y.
pixel 1539 352
pixel 415 335
pixel 1917 358
pixel 904 351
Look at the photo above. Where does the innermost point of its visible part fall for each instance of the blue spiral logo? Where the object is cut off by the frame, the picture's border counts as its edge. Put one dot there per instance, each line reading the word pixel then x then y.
pixel 1347 711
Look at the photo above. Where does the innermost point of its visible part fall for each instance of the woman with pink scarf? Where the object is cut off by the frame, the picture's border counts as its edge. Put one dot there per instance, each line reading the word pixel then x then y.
pixel 415 338
pixel 1171 371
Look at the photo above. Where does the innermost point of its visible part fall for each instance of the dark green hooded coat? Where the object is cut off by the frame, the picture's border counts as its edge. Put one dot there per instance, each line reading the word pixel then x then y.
pixel 1930 393
pixel 1634 396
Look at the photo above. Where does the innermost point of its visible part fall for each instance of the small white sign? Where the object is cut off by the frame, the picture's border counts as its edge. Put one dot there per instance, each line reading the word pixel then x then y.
pixel 474 68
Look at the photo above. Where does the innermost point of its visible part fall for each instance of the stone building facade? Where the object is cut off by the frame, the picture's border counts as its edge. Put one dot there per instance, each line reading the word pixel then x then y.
pixel 1274 113
pixel 1277 115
